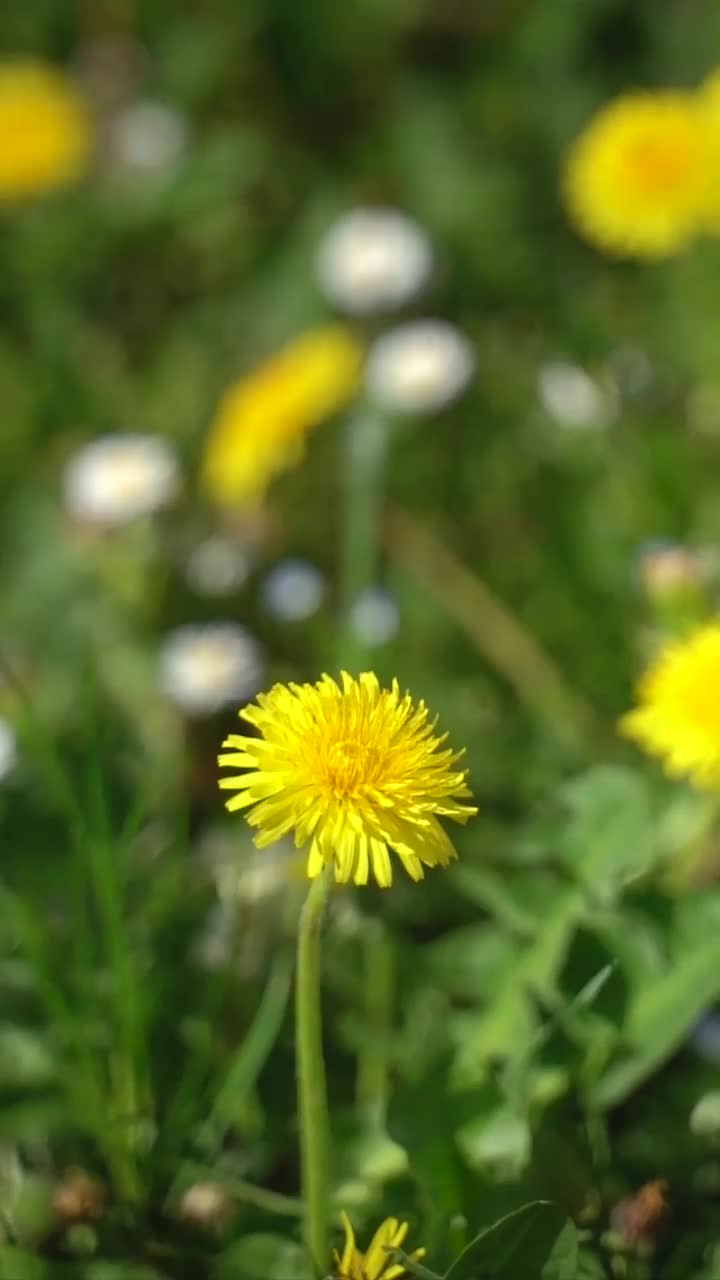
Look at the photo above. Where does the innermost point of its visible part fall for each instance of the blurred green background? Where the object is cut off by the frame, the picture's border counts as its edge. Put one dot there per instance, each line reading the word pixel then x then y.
pixel 530 1010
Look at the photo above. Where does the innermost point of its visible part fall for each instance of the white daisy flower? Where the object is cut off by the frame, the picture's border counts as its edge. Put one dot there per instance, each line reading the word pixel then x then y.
pixel 374 617
pixel 148 138
pixel 119 478
pixel 207 666
pixel 665 568
pixel 373 259
pixel 218 566
pixel 419 367
pixel 571 397
pixel 293 590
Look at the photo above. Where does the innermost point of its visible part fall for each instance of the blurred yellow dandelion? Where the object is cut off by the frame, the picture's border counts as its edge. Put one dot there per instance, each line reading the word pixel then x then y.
pixel 354 771
pixel 262 420
pixel 376 1263
pixel 639 179
pixel 709 99
pixel 45 130
pixel 678 712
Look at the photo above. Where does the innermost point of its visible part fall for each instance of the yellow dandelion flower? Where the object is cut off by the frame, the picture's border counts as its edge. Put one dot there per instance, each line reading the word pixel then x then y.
pixel 638 180
pixel 376 1263
pixel 354 772
pixel 678 716
pixel 709 99
pixel 45 130
pixel 263 419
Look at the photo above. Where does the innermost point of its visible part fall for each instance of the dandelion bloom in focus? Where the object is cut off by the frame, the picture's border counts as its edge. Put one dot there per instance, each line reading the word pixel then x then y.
pixel 45 130
pixel 354 772
pixel 639 179
pixel 678 713
pixel 376 1263
pixel 263 419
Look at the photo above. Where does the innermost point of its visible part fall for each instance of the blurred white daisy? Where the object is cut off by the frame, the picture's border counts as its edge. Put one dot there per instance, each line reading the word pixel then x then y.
pixel 665 568
pixel 571 397
pixel 631 371
pixel 293 590
pixel 207 666
pixel 118 478
pixel 374 617
pixel 419 367
pixel 218 566
pixel 148 139
pixel 215 947
pixel 240 876
pixel 373 259
pixel 8 749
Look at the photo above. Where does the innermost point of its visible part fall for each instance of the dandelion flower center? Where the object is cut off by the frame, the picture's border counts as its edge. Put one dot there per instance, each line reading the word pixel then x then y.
pixel 352 767
pixel 354 771
pixel 657 164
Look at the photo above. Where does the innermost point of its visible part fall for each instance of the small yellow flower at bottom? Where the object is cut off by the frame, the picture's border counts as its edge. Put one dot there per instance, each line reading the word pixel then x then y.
pixel 678 712
pixel 376 1263
pixel 354 772
pixel 640 178
pixel 45 130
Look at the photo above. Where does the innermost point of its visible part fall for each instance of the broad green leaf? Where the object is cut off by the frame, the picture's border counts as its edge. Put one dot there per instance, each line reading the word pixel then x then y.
pixel 563 1261
pixel 518 1247
pixel 498 1142
pixel 662 1012
pixel 611 834
pixel 507 1019
pixel 261 1257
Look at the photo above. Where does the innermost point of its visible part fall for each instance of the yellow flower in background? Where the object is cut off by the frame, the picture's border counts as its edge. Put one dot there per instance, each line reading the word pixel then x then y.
pixel 263 419
pixel 709 99
pixel 678 712
pixel 45 130
pixel 376 1263
pixel 354 771
pixel 640 179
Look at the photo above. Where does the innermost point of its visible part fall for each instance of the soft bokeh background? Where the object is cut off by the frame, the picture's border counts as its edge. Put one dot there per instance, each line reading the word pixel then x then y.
pixel 519 1027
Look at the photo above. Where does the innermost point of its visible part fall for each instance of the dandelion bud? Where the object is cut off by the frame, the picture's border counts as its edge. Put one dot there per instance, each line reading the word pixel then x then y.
pixel 78 1197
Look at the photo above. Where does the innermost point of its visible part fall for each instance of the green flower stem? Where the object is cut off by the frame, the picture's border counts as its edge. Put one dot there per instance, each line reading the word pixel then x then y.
pixel 372 1077
pixel 365 455
pixel 312 1093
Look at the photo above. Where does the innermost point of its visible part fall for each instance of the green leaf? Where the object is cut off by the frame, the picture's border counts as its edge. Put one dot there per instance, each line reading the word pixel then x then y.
pixel 611 836
pixel 661 1013
pixel 519 1247
pixel 509 1018
pixel 261 1257
pixel 563 1261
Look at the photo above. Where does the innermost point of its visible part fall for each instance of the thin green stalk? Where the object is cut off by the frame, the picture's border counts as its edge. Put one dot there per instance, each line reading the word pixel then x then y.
pixel 365 455
pixel 254 1050
pixel 379 977
pixel 310 1065
pixel 238 1188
